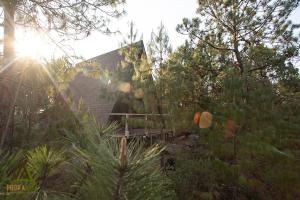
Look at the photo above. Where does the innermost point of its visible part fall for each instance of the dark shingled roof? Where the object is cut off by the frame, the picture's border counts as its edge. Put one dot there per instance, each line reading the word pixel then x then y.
pixel 111 60
pixel 87 89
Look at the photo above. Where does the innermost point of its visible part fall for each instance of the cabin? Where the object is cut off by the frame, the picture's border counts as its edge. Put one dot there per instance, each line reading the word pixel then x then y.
pixel 104 86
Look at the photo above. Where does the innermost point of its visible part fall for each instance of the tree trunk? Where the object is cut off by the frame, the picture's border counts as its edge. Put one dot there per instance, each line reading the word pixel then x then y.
pixel 235 38
pixel 9 31
pixel 160 98
pixel 9 8
pixel 238 56
pixel 29 125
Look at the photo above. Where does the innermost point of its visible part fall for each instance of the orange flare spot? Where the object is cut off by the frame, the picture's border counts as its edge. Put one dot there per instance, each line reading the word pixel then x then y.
pixel 196 118
pixel 205 120
pixel 124 87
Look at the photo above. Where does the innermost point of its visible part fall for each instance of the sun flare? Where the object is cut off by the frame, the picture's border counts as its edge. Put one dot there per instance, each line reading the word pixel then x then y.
pixel 32 45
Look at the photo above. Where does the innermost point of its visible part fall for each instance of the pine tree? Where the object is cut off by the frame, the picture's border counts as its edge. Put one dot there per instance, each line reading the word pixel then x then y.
pixel 237 27
pixel 117 170
pixel 239 58
pixel 159 48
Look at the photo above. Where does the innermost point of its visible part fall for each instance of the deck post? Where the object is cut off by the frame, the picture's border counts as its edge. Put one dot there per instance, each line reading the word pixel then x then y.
pixel 149 133
pixel 173 131
pixel 126 126
pixel 146 123
pixel 163 133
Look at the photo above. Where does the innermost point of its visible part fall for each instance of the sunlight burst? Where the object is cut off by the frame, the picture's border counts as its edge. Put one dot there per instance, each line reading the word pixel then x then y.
pixel 33 45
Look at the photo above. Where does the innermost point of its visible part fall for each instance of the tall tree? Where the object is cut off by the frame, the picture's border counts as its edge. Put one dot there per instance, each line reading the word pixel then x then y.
pixel 238 26
pixel 134 52
pixel 74 19
pixel 240 58
pixel 159 48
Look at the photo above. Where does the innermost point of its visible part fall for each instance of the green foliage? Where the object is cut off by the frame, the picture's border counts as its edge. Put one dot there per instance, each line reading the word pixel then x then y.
pixel 235 28
pixel 42 109
pixel 12 170
pixel 239 67
pixel 102 175
pixel 43 163
pixel 203 179
pixel 159 49
pixel 8 167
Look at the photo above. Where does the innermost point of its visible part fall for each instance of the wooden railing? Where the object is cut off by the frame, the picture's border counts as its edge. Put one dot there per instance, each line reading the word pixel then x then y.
pixel 147 131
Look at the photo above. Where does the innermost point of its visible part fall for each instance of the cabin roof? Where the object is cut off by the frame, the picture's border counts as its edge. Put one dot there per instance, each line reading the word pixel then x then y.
pixel 111 60
pixel 89 90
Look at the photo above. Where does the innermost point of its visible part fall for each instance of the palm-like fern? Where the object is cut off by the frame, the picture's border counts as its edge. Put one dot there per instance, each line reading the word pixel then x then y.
pixel 11 172
pixel 42 164
pixel 8 164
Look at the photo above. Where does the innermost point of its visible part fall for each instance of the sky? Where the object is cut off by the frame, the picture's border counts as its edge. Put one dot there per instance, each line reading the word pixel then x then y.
pixel 147 16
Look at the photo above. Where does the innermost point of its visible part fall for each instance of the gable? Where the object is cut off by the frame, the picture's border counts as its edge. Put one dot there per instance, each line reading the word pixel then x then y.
pixel 90 89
